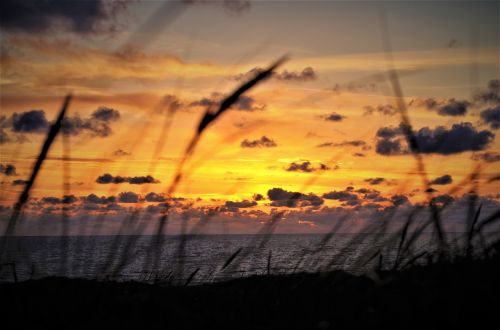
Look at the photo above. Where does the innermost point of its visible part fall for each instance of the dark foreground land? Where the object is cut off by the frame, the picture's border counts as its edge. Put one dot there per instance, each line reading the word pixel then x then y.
pixel 464 293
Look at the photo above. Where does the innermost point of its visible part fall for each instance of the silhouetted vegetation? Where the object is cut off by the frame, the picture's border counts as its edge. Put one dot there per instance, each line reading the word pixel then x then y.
pixel 393 282
pixel 448 294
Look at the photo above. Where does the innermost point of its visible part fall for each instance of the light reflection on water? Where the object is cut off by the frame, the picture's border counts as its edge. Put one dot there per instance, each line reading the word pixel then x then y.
pixel 103 256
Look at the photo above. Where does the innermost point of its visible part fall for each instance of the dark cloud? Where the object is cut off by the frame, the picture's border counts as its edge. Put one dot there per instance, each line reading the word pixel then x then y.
pixel 33 121
pixel 358 154
pixel 247 103
pixel 51 200
pixel 108 178
pixel 128 197
pixel 323 167
pixel 386 110
pixel 364 212
pixel 489 157
pixel 364 190
pixel 354 202
pixel 258 197
pixel 280 197
pixel 388 132
pixel 353 143
pixel 142 180
pixel 306 167
pixel 75 125
pixel 459 138
pixel 375 181
pixel 364 197
pixel 307 74
pixel 19 182
pixel 326 145
pixel 160 208
pixel 105 114
pixel 120 153
pixel 67 199
pixel 491 117
pixel 278 194
pixel 343 196
pixel 428 103
pixel 244 103
pixel 440 140
pixel 310 200
pixel 369 197
pixel 263 142
pixel 154 197
pixel 453 108
pixel 390 147
pixel 398 200
pixel 98 124
pixel 94 199
pixel 114 207
pixel 35 16
pixel 442 180
pixel 373 206
pixel 8 169
pixel 300 167
pixel 333 117
pixel 374 196
pixel 492 93
pixel 205 102
pixel 450 107
pixel 241 204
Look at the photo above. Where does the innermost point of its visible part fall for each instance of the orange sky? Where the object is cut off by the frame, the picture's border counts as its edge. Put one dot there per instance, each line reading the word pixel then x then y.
pixel 190 62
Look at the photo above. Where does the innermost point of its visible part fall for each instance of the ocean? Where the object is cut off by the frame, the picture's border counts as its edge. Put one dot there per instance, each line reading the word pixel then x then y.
pixel 195 259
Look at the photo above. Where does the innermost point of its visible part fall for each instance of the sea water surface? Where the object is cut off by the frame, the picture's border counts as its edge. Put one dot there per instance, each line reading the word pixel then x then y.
pixel 197 259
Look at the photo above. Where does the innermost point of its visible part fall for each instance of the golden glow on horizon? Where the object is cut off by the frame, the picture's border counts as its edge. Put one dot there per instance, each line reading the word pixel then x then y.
pixel 37 71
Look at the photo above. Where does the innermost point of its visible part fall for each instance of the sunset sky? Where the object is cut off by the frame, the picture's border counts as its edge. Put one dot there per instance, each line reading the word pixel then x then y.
pixel 326 124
